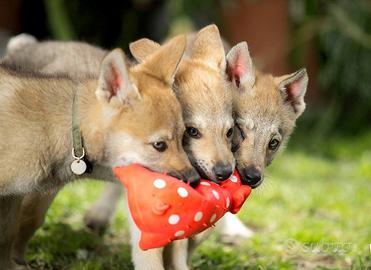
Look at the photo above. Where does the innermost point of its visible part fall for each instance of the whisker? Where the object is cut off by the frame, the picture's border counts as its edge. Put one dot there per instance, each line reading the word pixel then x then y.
pixel 269 185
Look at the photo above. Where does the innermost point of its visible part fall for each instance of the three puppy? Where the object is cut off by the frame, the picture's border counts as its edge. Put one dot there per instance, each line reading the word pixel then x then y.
pixel 128 113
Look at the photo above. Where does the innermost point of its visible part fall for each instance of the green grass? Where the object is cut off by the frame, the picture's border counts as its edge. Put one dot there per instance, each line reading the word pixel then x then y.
pixel 313 212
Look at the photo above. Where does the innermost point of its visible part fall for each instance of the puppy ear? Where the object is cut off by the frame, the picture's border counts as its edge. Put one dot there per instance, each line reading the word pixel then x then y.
pixel 164 62
pixel 293 87
pixel 240 69
pixel 208 47
pixel 143 48
pixel 114 81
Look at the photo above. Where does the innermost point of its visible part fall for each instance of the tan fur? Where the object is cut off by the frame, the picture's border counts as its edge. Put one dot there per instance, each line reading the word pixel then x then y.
pixel 206 100
pixel 265 108
pixel 261 122
pixel 36 203
pixel 74 58
pixel 262 114
pixel 118 129
pixel 205 96
pixel 45 116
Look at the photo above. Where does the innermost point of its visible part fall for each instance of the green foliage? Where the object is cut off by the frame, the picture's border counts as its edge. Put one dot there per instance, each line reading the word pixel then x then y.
pixel 342 30
pixel 59 20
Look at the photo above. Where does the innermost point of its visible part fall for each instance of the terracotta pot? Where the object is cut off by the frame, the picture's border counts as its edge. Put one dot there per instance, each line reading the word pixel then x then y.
pixel 265 26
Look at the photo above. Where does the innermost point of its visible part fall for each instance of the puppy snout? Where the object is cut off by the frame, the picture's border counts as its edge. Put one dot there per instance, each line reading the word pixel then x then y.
pixel 222 171
pixel 190 176
pixel 251 176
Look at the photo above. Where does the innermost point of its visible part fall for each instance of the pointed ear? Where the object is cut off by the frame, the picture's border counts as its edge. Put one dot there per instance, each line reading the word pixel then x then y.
pixel 114 81
pixel 208 47
pixel 293 88
pixel 240 69
pixel 143 48
pixel 164 62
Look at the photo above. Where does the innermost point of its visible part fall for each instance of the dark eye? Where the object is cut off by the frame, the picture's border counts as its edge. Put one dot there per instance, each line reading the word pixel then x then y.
pixel 273 144
pixel 229 132
pixel 160 146
pixel 193 132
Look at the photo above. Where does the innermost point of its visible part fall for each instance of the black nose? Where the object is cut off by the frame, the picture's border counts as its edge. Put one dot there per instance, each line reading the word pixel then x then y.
pixel 192 177
pixel 251 176
pixel 222 171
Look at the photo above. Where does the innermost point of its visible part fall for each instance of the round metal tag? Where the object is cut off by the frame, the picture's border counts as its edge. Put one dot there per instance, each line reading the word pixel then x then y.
pixel 78 167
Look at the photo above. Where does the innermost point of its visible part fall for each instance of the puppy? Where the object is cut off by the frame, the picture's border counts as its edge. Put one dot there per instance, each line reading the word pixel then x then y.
pixel 202 89
pixel 125 115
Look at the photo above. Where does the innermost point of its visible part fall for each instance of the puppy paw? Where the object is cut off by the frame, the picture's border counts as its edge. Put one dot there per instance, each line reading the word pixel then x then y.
pixel 97 221
pixel 235 239
pixel 233 231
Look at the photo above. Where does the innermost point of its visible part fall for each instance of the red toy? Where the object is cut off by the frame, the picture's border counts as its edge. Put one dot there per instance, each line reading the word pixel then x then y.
pixel 166 209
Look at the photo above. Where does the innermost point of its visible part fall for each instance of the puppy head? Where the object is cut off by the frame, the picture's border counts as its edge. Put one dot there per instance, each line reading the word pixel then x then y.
pixel 206 100
pixel 265 109
pixel 140 114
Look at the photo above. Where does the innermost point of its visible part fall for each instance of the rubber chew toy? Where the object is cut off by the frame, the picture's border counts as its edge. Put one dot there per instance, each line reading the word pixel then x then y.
pixel 166 209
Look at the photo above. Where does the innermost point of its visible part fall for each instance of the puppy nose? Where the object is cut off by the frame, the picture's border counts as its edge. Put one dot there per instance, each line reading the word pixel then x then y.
pixel 192 177
pixel 222 171
pixel 251 176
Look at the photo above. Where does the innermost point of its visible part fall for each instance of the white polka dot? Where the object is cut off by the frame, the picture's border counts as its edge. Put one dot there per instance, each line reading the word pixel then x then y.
pixel 227 202
pixel 198 216
pixel 173 219
pixel 216 194
pixel 205 183
pixel 159 183
pixel 213 218
pixel 179 233
pixel 182 192
pixel 233 178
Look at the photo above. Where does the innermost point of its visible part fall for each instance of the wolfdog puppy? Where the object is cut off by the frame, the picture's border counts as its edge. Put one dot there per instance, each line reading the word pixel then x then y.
pixel 125 115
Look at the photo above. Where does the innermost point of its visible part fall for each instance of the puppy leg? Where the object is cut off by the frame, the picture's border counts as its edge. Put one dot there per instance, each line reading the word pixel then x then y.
pixel 232 230
pixel 9 212
pixel 143 260
pixel 32 216
pixel 179 255
pixel 194 242
pixel 99 215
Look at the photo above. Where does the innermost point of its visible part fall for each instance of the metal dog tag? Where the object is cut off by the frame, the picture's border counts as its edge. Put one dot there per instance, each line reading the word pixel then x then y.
pixel 78 166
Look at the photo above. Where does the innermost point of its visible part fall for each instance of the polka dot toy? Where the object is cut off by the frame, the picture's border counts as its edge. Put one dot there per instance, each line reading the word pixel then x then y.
pixel 166 209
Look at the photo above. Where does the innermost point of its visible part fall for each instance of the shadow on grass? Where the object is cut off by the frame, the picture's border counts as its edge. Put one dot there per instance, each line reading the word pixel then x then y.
pixel 60 246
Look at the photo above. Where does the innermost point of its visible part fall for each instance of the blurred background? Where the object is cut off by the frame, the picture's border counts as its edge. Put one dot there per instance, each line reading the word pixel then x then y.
pixel 331 38
pixel 329 156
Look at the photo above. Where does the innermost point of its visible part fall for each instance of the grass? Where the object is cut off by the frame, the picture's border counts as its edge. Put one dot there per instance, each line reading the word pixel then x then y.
pixel 313 212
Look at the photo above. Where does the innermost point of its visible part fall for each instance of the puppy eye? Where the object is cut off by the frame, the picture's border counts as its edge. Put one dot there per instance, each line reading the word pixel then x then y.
pixel 229 132
pixel 193 132
pixel 273 144
pixel 160 146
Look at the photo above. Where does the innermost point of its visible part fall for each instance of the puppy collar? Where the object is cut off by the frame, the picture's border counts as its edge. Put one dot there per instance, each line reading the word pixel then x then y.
pixel 78 166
